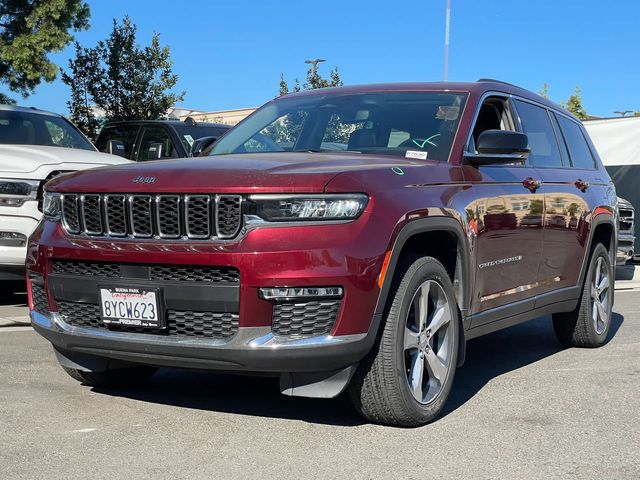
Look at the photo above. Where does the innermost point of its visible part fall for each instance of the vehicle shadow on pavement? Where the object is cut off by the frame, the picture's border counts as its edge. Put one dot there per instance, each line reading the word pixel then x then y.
pixel 487 357
pixel 238 394
pixel 13 293
pixel 506 350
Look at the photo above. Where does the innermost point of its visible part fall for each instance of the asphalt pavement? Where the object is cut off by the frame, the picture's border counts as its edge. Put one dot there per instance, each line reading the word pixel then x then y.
pixel 521 407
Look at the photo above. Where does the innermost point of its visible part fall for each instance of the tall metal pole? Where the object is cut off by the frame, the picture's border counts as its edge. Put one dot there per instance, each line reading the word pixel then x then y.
pixel 446 41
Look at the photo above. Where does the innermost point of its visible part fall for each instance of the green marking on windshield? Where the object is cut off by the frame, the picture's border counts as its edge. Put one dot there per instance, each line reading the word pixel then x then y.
pixel 397 171
pixel 428 140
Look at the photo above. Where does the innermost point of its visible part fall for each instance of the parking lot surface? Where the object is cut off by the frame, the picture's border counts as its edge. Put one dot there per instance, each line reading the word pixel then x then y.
pixel 521 407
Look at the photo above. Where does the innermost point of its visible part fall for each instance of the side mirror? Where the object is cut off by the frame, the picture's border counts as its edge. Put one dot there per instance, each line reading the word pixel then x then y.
pixel 499 147
pixel 155 151
pixel 201 144
pixel 116 147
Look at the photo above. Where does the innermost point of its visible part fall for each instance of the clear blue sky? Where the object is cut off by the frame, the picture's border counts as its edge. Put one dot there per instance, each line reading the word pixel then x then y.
pixel 229 54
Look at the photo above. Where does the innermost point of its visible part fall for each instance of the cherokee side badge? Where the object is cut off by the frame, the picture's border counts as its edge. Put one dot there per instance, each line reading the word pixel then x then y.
pixel 142 179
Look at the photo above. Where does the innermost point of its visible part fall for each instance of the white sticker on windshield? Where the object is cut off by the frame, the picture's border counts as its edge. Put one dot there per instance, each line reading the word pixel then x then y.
pixel 416 154
pixel 189 139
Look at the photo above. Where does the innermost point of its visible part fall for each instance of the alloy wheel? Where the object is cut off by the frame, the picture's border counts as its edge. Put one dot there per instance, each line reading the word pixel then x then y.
pixel 428 342
pixel 600 295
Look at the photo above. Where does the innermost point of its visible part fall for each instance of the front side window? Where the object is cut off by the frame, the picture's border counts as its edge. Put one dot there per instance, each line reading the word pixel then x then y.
pixel 26 128
pixel 414 124
pixel 542 139
pixel 118 140
pixel 579 151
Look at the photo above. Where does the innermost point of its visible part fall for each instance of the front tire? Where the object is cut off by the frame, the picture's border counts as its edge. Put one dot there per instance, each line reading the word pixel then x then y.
pixel 406 378
pixel 589 324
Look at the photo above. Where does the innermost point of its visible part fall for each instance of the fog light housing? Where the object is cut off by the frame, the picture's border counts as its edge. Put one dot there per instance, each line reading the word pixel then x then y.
pixel 292 293
pixel 12 239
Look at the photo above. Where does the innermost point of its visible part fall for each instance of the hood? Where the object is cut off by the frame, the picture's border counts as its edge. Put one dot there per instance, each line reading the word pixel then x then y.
pixel 18 160
pixel 241 173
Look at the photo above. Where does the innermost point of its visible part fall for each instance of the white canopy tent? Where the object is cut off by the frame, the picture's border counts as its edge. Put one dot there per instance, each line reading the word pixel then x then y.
pixel 618 143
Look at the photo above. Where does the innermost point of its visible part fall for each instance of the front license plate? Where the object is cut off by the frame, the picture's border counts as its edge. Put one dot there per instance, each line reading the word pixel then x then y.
pixel 130 306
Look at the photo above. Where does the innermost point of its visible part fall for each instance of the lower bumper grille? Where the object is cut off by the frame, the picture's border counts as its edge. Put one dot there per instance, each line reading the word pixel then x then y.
pixel 180 323
pixel 40 303
pixel 304 319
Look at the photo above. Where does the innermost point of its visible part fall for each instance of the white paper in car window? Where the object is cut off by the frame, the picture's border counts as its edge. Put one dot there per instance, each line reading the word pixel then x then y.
pixel 189 139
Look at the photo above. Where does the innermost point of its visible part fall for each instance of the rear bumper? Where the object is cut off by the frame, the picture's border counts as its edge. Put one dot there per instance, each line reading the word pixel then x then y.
pixel 252 349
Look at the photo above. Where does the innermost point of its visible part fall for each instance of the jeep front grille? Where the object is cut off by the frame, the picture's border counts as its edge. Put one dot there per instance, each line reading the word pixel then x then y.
pixel 167 216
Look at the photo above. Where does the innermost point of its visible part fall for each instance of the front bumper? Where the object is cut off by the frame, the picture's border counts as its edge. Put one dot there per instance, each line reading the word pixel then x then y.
pixel 13 254
pixel 252 349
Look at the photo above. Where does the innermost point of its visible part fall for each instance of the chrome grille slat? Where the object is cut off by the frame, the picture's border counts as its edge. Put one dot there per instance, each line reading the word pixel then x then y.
pixel 198 216
pixel 164 216
pixel 228 215
pixel 115 215
pixel 141 215
pixel 70 214
pixel 91 213
pixel 168 216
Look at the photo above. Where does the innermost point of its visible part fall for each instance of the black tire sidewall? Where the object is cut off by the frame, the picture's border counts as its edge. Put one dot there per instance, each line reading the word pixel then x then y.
pixel 427 269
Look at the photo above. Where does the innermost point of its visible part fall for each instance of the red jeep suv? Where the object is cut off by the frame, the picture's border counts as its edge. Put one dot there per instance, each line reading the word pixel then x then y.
pixel 340 239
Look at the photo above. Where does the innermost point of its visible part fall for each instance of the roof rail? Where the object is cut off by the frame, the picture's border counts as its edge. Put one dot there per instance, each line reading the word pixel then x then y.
pixel 497 81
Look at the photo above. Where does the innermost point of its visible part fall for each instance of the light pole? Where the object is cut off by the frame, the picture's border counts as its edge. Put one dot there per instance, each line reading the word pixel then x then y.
pixel 446 41
pixel 315 63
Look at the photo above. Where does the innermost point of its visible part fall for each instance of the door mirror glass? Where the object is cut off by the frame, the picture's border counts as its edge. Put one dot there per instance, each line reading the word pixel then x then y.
pixel 496 147
pixel 202 144
pixel 502 142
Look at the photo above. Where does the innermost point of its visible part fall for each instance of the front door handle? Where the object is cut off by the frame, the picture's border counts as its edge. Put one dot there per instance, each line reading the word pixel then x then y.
pixel 531 184
pixel 581 185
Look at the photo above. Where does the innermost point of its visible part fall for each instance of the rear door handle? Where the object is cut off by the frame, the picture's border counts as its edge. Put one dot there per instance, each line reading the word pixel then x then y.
pixel 531 184
pixel 581 185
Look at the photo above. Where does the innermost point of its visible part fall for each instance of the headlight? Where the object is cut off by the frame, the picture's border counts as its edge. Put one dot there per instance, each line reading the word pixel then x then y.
pixel 310 208
pixel 13 193
pixel 51 206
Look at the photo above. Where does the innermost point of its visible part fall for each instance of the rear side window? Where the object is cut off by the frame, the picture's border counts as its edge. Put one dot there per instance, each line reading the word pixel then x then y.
pixel 542 139
pixel 579 151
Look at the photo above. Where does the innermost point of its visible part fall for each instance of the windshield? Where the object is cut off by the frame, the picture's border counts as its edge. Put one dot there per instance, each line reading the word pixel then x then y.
pixel 417 125
pixel 26 128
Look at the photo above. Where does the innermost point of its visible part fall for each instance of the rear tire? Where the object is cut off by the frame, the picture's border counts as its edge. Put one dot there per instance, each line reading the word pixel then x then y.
pixel 588 325
pixel 406 378
pixel 117 377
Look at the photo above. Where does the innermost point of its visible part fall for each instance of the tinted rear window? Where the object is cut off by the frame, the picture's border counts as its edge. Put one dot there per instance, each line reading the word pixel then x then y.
pixel 579 151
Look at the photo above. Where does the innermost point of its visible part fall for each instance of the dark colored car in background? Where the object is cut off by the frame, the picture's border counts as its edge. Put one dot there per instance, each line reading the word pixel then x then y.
pixel 345 238
pixel 158 139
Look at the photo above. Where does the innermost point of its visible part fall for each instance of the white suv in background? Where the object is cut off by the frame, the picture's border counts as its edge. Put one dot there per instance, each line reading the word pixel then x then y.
pixel 35 146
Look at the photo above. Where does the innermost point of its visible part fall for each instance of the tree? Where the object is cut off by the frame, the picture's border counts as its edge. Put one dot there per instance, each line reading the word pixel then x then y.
pixel 544 91
pixel 80 104
pixel 314 80
pixel 31 29
pixel 574 105
pixel 125 80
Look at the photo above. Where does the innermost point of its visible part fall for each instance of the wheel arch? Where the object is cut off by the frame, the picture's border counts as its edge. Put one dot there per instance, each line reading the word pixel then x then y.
pixel 417 237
